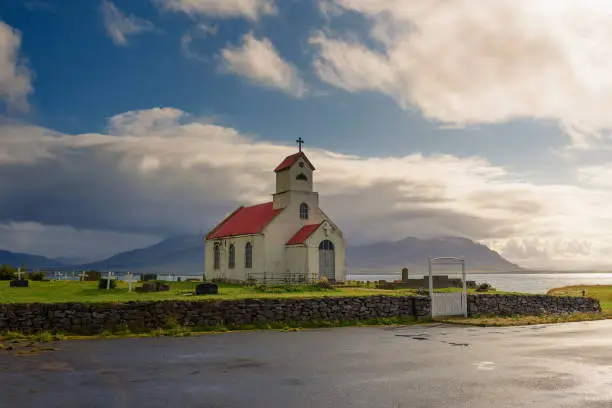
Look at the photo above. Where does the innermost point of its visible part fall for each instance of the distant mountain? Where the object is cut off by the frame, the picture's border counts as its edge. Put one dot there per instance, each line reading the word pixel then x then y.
pixel 413 252
pixel 30 261
pixel 183 255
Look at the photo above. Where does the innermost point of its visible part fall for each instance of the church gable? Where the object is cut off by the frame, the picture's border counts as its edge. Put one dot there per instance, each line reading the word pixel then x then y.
pixel 289 161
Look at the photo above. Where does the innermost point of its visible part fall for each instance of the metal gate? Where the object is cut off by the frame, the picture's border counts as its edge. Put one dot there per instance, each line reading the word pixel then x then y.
pixel 327 260
pixel 452 303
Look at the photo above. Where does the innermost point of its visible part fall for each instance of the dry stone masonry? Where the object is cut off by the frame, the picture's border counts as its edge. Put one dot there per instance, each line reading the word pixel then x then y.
pixel 512 305
pixel 92 318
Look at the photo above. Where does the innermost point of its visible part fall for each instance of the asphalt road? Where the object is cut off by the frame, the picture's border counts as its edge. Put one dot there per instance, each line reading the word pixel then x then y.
pixel 566 365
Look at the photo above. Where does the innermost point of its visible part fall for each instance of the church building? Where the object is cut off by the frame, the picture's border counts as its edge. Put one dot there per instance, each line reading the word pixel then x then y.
pixel 289 236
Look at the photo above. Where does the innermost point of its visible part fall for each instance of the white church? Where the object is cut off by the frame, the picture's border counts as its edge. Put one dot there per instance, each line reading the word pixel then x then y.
pixel 288 236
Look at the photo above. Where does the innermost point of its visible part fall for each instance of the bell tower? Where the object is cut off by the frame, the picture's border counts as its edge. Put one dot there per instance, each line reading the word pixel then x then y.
pixel 293 176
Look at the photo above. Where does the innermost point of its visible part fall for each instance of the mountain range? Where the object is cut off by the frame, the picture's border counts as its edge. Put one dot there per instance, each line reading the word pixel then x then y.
pixel 184 255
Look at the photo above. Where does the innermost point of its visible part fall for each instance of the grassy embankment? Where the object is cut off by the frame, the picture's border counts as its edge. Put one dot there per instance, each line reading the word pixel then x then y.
pixel 71 291
pixel 601 292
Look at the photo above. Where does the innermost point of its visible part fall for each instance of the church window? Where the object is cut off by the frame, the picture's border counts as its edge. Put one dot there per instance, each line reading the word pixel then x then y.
pixel 248 255
pixel 303 211
pixel 232 257
pixel 217 257
pixel 301 176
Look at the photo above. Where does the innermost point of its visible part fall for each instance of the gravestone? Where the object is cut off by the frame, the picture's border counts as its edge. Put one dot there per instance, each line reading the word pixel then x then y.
pixel 92 276
pixel 153 287
pixel 19 283
pixel 404 274
pixel 149 287
pixel 148 277
pixel 207 289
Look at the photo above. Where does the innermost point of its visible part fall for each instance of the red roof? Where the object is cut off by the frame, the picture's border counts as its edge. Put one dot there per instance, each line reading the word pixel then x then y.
pixel 290 161
pixel 245 221
pixel 303 234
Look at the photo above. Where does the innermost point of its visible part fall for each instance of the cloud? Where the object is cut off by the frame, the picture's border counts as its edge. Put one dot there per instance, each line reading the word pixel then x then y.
pixel 462 62
pixel 259 62
pixel 119 26
pixel 15 77
pixel 199 31
pixel 249 9
pixel 162 171
pixel 595 175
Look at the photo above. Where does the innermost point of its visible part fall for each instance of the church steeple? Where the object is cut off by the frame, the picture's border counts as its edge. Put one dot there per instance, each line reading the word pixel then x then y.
pixel 294 173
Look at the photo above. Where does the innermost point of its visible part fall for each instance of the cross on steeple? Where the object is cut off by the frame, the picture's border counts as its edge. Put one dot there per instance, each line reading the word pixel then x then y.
pixel 300 142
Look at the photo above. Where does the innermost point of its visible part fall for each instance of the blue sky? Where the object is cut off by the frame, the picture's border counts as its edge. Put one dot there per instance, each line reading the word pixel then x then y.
pixel 515 111
pixel 83 78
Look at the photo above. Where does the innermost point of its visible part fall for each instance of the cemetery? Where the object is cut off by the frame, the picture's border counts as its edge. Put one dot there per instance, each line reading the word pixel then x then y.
pixel 92 301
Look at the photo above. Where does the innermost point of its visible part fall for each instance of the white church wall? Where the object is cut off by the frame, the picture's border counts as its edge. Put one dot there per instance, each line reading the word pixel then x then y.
pixel 239 272
pixel 296 258
pixel 286 225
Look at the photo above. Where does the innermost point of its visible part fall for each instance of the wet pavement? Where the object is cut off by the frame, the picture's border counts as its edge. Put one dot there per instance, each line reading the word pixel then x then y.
pixel 567 365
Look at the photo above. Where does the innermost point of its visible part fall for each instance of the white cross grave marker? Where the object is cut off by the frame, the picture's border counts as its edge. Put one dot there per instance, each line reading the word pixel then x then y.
pixel 19 273
pixel 108 279
pixel 82 276
pixel 129 274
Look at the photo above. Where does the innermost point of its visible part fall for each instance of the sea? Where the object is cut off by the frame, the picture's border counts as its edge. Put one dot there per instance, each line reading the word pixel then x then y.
pixel 525 282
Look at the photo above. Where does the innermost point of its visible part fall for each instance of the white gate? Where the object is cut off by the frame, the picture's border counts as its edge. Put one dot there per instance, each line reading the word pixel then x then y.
pixel 451 303
pixel 447 304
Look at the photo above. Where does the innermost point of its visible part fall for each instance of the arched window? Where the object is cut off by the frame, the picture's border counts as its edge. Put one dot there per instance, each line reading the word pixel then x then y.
pixel 231 263
pixel 303 211
pixel 326 245
pixel 248 255
pixel 301 176
pixel 217 257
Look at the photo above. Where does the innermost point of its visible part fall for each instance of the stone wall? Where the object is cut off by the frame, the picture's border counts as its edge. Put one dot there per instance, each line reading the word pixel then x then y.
pixel 510 305
pixel 91 318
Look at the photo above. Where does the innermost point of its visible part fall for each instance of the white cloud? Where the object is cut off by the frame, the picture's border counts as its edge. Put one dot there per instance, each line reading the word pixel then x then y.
pixel 120 26
pixel 146 121
pixel 258 61
pixel 162 171
pixel 464 62
pixel 249 9
pixel 595 175
pixel 15 77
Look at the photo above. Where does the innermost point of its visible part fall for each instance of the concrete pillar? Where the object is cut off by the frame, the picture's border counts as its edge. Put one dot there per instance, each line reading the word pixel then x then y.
pixel 404 274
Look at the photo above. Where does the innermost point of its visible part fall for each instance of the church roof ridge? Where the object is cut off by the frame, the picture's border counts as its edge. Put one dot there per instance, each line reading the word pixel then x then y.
pixel 245 221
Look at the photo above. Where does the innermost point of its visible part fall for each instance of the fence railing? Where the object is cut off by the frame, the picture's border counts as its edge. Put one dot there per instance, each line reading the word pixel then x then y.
pixel 268 278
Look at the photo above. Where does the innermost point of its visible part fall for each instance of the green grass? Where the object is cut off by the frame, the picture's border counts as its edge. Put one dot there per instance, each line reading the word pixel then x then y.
pixel 72 291
pixel 502 321
pixel 601 292
pixel 17 342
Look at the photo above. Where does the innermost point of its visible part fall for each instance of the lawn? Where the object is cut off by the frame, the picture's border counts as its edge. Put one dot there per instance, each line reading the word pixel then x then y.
pixel 601 292
pixel 71 291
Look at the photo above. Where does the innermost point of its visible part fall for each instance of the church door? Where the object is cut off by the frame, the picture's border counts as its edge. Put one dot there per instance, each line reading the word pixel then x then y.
pixel 327 260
